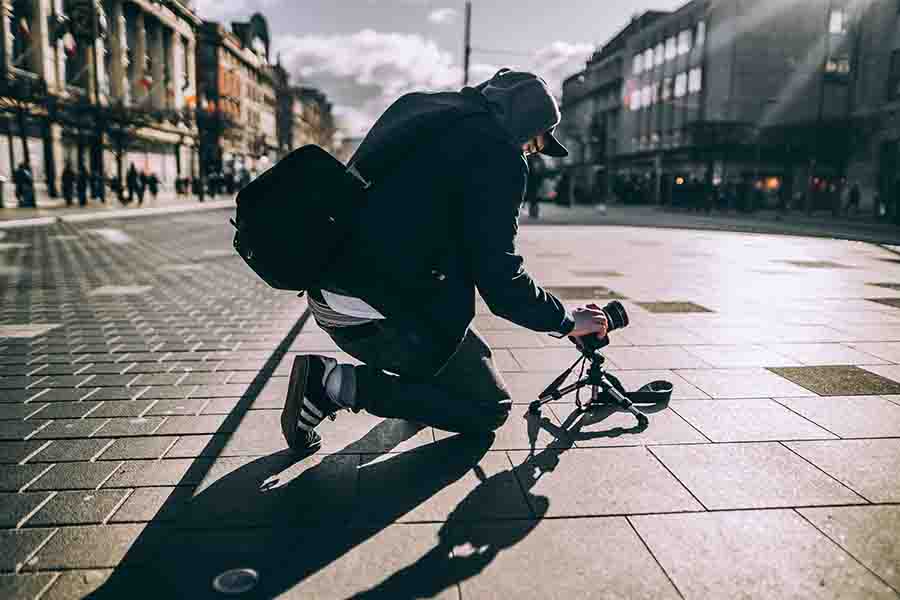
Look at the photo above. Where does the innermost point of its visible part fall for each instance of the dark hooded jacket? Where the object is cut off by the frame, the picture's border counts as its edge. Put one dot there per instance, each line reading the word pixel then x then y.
pixel 441 220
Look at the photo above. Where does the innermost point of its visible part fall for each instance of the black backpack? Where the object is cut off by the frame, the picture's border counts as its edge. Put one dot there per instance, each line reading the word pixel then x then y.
pixel 292 219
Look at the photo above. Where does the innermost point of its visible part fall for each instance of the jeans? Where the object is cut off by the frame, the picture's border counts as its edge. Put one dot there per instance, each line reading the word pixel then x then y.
pixel 467 395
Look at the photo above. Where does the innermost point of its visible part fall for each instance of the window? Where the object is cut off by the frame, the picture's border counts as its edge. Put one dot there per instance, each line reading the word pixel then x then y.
pixel 684 41
pixel 837 21
pixel 638 64
pixel 636 100
pixel 648 58
pixel 695 80
pixel 659 56
pixel 654 93
pixel 671 48
pixel 894 76
pixel 680 84
pixel 645 96
pixel 838 65
pixel 665 93
pixel 700 35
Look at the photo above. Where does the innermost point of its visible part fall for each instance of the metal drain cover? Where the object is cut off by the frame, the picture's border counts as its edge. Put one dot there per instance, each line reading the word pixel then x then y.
pixel 236 581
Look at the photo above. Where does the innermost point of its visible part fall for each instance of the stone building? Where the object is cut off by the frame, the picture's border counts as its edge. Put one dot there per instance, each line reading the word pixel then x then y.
pixel 237 98
pixel 73 73
pixel 757 93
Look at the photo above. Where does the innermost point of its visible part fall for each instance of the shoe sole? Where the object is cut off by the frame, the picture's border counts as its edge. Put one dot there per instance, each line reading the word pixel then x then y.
pixel 291 412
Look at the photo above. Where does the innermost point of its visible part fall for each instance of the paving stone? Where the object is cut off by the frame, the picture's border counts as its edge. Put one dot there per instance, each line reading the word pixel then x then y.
pixel 824 354
pixel 869 467
pixel 894 302
pixel 850 416
pixel 156 379
pixel 144 473
pixel 63 381
pixel 673 307
pixel 868 533
pixel 77 508
pixel 178 425
pixel 74 585
pixel 15 395
pixel 535 559
pixel 158 392
pixel 219 406
pixel 754 554
pixel 136 426
pixel 137 448
pixel 69 451
pixel 15 412
pixel 14 477
pixel 653 357
pixel 69 428
pixel 192 446
pixel 839 380
pixel 18 545
pixel 743 355
pixel 603 428
pixel 157 504
pixel 121 408
pixel 25 586
pixel 440 483
pixel 74 476
pixel 182 406
pixel 67 410
pixel 230 390
pixel 816 264
pixel 15 507
pixel 574 292
pixel 54 395
pixel 86 547
pixel 742 383
pixel 747 420
pixel 598 481
pixel 16 451
pixel 752 475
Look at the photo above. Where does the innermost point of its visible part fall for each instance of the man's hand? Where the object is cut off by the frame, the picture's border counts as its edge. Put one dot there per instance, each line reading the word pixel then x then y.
pixel 589 319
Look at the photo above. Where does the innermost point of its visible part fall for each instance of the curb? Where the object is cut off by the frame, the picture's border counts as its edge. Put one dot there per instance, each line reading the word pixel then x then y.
pixel 119 213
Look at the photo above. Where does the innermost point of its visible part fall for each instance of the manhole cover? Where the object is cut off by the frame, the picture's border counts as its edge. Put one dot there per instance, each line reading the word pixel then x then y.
pixel 816 264
pixel 673 307
pixel 838 380
pixel 890 286
pixel 895 302
pixel 584 293
pixel 589 273
pixel 236 581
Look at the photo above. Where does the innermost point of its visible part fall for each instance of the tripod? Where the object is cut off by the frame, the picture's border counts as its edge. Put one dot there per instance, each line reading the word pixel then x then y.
pixel 604 391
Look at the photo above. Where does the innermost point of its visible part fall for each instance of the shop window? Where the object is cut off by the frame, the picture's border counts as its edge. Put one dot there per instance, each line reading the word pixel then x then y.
pixel 637 65
pixel 894 76
pixel 636 100
pixel 684 41
pixel 645 96
pixel 700 34
pixel 837 21
pixel 648 58
pixel 680 84
pixel 665 92
pixel 671 48
pixel 695 80
pixel 837 65
pixel 659 54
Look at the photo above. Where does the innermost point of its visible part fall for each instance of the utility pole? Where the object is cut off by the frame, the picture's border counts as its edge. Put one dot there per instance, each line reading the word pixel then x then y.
pixel 467 50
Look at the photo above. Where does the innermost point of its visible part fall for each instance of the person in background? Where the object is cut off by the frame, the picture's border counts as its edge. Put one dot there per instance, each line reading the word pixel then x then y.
pixel 68 183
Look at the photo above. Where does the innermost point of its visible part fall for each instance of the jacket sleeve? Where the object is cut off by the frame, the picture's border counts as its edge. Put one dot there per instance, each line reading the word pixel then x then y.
pixel 492 194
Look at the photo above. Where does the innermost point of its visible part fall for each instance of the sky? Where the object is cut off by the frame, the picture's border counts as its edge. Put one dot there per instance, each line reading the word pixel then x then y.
pixel 364 54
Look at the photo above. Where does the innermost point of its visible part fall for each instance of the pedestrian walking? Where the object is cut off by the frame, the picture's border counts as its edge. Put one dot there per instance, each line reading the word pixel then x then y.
pixel 853 199
pixel 132 180
pixel 401 298
pixel 153 183
pixel 141 187
pixel 68 183
pixel 24 185
pixel 82 184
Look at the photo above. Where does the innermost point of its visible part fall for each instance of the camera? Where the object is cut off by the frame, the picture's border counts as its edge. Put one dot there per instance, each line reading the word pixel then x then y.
pixel 616 318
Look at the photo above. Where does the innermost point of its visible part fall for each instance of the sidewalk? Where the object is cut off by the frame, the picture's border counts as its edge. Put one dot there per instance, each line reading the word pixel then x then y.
pixel 49 209
pixel 859 228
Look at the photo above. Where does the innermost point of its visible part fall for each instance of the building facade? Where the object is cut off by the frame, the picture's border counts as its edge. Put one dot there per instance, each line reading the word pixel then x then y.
pixel 758 93
pixel 98 85
pixel 238 105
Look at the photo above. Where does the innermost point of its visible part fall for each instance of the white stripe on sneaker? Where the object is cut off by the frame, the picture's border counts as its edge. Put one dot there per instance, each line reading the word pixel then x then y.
pixel 312 409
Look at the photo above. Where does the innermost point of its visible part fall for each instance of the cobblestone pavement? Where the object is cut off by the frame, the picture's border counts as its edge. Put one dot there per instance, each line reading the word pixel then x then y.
pixel 143 368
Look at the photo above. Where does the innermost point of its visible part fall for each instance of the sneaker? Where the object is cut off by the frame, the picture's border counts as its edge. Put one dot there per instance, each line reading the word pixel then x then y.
pixel 307 403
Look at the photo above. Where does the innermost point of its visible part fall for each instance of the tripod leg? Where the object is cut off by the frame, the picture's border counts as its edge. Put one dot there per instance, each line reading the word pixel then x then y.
pixel 623 402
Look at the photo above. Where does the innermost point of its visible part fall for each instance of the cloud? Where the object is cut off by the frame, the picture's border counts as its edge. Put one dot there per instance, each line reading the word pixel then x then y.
pixel 220 9
pixel 443 16
pixel 364 72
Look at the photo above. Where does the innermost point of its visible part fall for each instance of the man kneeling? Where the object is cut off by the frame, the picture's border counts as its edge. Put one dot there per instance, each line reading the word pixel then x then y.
pixel 401 297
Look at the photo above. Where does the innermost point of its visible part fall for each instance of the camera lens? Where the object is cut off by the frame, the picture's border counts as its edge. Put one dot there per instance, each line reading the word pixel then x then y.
pixel 615 315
